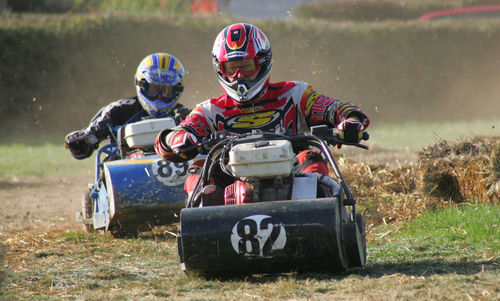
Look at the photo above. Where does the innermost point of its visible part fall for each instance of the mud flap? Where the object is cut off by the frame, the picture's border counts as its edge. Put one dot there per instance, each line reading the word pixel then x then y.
pixel 268 237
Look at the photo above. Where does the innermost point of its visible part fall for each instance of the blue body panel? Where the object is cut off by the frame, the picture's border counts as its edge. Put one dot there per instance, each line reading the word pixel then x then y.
pixel 136 193
pixel 148 181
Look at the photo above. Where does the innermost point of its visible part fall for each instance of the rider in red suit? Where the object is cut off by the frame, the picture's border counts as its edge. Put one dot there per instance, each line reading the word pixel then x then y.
pixel 242 60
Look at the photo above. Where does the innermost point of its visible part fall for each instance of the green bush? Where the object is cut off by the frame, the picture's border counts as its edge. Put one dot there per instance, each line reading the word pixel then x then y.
pixel 48 6
pixel 58 70
pixel 102 6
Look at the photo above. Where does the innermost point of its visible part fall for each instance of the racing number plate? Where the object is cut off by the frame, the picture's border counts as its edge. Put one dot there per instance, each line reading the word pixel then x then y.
pixel 257 235
pixel 170 173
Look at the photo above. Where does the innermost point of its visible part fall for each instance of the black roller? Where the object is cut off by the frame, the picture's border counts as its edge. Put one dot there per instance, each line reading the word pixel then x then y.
pixel 269 237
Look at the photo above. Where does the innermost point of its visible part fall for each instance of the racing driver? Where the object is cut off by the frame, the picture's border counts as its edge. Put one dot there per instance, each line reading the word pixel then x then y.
pixel 159 82
pixel 242 61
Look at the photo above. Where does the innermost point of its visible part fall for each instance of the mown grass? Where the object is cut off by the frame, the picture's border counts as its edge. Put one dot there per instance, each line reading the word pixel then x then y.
pixel 468 224
pixel 422 260
pixel 414 135
pixel 45 159
pixel 455 232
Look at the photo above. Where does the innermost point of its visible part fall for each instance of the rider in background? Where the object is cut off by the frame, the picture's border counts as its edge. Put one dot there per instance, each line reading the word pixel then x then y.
pixel 159 82
pixel 242 61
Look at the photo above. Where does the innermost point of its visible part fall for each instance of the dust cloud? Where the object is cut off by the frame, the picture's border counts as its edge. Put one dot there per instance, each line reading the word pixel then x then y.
pixel 392 81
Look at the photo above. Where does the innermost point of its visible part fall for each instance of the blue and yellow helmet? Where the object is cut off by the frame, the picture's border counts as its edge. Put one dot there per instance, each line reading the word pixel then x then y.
pixel 159 82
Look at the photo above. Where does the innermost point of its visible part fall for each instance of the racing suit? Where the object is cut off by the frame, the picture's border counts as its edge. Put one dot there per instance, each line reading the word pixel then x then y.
pixel 290 105
pixel 120 112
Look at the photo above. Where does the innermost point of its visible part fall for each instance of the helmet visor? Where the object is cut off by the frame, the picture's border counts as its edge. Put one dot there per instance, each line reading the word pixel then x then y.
pixel 158 92
pixel 247 67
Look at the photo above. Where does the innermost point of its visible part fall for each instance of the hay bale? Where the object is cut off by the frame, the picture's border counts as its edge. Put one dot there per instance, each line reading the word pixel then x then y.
pixel 461 171
pixel 440 181
pixel 494 181
pixel 458 172
pixel 495 161
pixel 386 195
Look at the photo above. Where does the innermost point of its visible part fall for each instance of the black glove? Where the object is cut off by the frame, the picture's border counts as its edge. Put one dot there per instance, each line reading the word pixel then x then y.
pixel 181 113
pixel 80 144
pixel 350 130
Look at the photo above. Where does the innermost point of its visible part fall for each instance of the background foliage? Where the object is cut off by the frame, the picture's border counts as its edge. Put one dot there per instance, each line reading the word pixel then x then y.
pixel 371 10
pixel 98 6
pixel 58 69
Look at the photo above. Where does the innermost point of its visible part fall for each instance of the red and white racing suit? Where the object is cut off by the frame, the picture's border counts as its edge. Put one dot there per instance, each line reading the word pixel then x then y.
pixel 291 105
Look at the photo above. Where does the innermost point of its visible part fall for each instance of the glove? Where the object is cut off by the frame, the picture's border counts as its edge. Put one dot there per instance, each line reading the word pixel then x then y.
pixel 176 145
pixel 181 113
pixel 350 130
pixel 80 144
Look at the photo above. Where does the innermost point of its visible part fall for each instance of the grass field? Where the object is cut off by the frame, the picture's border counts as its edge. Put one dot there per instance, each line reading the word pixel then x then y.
pixel 46 159
pixel 417 135
pixel 449 253
pixel 396 70
pixel 440 256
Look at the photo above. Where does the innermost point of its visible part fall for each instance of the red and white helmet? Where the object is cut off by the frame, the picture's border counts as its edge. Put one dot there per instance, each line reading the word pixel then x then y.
pixel 243 41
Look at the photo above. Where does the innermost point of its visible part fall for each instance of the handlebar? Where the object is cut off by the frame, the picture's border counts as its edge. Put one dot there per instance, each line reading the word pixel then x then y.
pixel 335 140
pixel 329 135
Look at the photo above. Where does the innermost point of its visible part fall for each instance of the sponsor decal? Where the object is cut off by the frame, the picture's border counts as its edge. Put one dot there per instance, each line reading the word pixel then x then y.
pixel 310 100
pixel 253 120
pixel 319 108
pixel 236 54
pixel 236 36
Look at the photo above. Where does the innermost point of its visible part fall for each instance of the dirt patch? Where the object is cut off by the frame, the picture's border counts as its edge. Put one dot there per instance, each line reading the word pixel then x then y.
pixel 393 158
pixel 41 204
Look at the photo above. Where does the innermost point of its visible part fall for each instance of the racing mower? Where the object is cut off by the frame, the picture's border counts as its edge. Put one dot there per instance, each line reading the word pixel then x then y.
pixel 272 219
pixel 134 189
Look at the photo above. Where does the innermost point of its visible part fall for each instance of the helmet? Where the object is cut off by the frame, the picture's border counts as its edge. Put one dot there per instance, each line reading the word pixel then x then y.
pixel 159 82
pixel 242 41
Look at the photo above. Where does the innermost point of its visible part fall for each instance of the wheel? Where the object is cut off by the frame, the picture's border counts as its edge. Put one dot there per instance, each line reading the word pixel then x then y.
pixel 354 238
pixel 87 210
pixel 362 230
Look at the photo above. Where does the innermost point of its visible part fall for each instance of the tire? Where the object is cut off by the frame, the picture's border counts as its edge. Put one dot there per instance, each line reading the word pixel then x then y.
pixel 87 209
pixel 362 230
pixel 354 239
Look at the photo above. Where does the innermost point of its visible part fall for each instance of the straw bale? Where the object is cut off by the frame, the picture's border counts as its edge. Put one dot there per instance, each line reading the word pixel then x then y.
pixel 365 179
pixel 495 161
pixel 457 172
pixel 439 180
pixel 461 171
pixel 386 194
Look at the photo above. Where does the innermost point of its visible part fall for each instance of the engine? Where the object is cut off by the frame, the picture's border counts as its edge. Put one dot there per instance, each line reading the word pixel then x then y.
pixel 257 190
pixel 264 170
